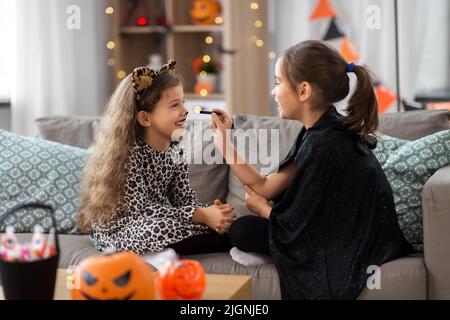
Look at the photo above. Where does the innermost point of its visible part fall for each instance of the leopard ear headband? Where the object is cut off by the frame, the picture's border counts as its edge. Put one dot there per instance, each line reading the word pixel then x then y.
pixel 143 77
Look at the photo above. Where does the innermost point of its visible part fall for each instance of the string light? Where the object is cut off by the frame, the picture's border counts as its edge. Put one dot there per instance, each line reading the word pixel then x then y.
pixel 258 23
pixel 197 109
pixel 111 45
pixel 111 62
pixel 142 21
pixel 218 20
pixel 203 92
pixel 121 74
pixel 203 74
pixel 254 6
pixel 206 58
pixel 209 40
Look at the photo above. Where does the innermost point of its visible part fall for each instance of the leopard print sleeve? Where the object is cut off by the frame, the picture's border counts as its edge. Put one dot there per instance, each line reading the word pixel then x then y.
pixel 157 207
pixel 161 184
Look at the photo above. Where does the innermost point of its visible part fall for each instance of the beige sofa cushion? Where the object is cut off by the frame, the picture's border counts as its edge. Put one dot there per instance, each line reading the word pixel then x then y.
pixel 77 131
pixel 413 125
pixel 402 279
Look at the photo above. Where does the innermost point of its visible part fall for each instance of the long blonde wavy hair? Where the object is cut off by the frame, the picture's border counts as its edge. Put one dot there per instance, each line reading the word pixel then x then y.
pixel 105 173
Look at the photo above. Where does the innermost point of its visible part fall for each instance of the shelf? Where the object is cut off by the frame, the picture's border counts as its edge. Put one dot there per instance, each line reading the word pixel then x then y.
pixel 192 28
pixel 211 96
pixel 143 30
pixel 185 42
pixel 180 29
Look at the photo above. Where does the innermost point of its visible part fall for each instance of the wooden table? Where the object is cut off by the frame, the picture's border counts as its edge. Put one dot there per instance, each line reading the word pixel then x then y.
pixel 218 287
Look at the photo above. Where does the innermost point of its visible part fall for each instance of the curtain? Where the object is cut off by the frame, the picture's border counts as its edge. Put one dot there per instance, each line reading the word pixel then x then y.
pixel 59 70
pixel 7 39
pixel 434 68
pixel 289 24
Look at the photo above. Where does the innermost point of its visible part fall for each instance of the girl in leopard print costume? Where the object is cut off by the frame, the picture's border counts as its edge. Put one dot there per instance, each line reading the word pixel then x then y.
pixel 136 194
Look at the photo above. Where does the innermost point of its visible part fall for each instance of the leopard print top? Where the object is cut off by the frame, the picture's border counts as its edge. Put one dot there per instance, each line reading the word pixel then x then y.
pixel 157 206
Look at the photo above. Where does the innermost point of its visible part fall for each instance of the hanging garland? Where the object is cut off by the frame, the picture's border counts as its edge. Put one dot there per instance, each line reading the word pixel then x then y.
pixel 324 10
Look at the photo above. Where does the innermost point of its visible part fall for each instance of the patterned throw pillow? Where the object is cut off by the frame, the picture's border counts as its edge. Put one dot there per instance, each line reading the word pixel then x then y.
pixel 39 170
pixel 408 165
pixel 386 146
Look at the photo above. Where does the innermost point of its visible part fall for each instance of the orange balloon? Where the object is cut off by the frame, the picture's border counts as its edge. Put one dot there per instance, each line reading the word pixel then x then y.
pixel 184 280
pixel 118 276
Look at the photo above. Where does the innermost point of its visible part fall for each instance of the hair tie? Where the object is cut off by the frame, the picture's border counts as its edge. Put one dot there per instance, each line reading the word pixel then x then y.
pixel 142 77
pixel 350 67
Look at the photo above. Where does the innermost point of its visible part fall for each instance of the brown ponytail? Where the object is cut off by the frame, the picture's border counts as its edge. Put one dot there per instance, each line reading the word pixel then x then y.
pixel 362 109
pixel 325 69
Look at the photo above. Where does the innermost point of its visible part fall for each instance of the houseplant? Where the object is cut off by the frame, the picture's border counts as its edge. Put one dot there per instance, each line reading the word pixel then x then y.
pixel 206 70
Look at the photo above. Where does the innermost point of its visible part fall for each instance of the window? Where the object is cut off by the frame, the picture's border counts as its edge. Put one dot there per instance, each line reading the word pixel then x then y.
pixel 434 70
pixel 7 49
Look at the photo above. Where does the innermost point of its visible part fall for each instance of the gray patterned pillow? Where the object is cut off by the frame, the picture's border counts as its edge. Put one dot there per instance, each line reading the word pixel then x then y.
pixel 408 165
pixel 43 171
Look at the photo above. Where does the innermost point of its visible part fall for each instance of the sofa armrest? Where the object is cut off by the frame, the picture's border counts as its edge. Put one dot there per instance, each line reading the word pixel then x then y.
pixel 436 233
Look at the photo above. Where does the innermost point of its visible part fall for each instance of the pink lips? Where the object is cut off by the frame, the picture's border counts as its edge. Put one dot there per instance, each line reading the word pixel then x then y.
pixel 180 123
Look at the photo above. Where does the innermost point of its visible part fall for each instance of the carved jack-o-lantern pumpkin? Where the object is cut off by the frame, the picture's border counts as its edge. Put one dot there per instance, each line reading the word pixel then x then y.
pixel 203 12
pixel 183 280
pixel 118 276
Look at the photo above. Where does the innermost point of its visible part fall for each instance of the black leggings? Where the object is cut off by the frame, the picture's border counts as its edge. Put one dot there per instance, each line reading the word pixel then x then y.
pixel 202 243
pixel 248 233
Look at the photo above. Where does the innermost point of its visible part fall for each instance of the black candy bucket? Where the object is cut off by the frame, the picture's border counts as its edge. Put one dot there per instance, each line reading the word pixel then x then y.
pixel 30 280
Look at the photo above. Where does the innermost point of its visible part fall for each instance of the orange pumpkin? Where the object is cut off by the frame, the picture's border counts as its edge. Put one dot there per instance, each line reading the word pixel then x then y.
pixel 203 12
pixel 117 276
pixel 184 280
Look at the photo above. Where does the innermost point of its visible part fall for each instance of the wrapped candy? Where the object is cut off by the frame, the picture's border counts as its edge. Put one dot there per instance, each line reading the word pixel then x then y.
pixel 9 246
pixel 39 248
pixel 38 242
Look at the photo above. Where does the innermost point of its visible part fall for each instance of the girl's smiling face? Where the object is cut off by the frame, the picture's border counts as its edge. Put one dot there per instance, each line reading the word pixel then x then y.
pixel 285 97
pixel 168 116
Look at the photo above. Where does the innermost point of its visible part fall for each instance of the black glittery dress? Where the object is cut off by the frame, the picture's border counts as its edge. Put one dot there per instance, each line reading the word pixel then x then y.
pixel 336 218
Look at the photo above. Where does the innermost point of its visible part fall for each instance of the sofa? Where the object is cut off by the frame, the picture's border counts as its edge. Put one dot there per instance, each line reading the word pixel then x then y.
pixel 418 276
